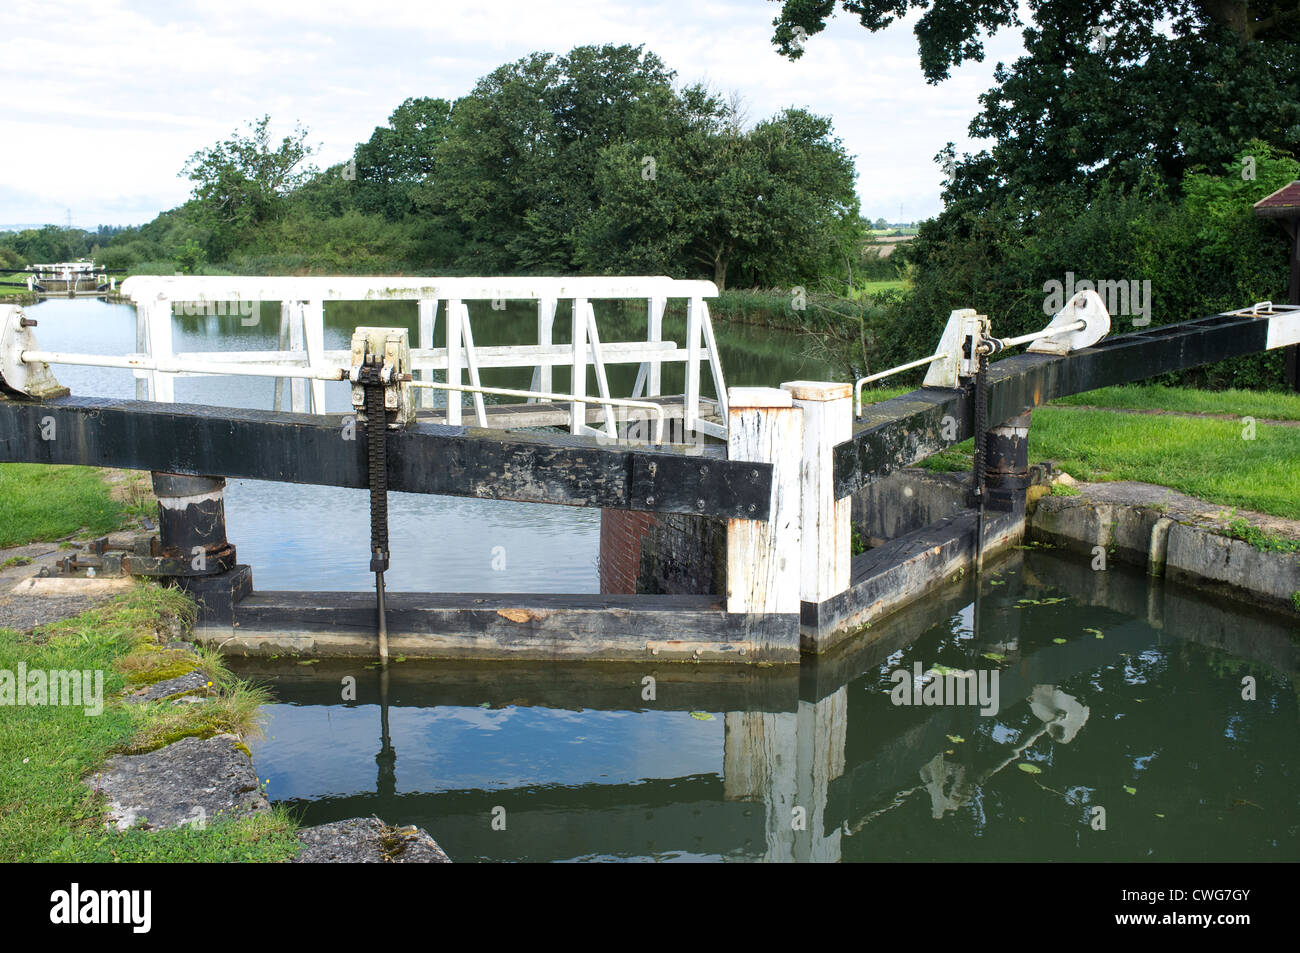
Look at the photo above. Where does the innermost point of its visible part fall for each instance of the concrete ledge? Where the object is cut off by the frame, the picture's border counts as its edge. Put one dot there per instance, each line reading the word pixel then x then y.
pixel 891 576
pixel 502 626
pixel 1169 534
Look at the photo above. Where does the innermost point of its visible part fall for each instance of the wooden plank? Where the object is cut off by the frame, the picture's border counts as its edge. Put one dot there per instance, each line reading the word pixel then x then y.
pixel 513 625
pixel 423 458
pixel 551 414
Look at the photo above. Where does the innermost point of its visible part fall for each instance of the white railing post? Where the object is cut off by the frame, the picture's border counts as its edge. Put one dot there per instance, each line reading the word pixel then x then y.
pixel 691 411
pixel 577 411
pixel 826 554
pixel 471 360
pixel 313 323
pixel 763 556
pixel 428 309
pixel 292 312
pixel 455 360
pixel 545 327
pixel 159 324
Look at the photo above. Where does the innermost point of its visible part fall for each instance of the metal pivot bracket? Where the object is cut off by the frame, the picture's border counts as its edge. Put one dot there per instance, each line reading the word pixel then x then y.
pixel 1081 323
pixel 956 357
pixel 27 378
pixel 390 349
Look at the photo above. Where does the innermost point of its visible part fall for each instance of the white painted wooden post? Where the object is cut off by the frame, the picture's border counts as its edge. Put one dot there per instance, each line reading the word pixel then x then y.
pixel 655 334
pixel 282 344
pixel 690 414
pixel 471 360
pixel 578 411
pixel 454 361
pixel 428 308
pixel 293 314
pixel 161 385
pixel 763 556
pixel 826 561
pixel 545 325
pixel 602 380
pixel 142 378
pixel 313 325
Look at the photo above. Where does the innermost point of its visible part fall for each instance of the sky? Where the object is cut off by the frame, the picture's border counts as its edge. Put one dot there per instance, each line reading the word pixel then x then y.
pixel 105 101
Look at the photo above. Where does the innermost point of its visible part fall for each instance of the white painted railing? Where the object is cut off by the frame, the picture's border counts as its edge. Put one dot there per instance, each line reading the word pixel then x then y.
pixel 302 335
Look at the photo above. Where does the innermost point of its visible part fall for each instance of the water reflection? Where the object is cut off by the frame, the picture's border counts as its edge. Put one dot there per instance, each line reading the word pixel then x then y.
pixel 1115 694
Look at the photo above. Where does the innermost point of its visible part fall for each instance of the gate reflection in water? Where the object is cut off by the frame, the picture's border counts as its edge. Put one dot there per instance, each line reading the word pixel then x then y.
pixel 1138 711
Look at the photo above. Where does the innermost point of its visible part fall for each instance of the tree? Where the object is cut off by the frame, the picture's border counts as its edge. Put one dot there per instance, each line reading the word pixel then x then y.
pixel 772 205
pixel 398 161
pixel 1108 89
pixel 520 156
pixel 243 181
pixel 948 33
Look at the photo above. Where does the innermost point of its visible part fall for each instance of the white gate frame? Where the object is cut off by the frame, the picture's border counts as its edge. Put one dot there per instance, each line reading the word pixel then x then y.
pixel 301 338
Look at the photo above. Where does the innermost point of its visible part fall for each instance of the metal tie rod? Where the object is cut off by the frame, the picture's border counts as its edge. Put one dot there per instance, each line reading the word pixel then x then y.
pixel 141 363
pixel 923 361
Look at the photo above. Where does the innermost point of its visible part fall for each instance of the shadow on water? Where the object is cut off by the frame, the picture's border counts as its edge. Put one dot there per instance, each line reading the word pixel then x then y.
pixel 1112 692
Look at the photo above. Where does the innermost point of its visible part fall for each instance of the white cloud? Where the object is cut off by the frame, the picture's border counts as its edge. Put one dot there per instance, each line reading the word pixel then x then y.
pixel 102 113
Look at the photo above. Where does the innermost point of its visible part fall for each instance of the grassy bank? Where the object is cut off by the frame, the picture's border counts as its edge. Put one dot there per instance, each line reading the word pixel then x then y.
pixel 47 812
pixel 43 502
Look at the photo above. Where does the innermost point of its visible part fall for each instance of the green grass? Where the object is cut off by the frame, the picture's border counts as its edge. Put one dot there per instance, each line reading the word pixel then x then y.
pixel 1200 457
pixel 47 813
pixel 868 288
pixel 48 502
pixel 1264 541
pixel 1264 405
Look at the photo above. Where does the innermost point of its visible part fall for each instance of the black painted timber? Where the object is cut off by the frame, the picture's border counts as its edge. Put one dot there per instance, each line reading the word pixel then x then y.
pixel 424 458
pixel 896 433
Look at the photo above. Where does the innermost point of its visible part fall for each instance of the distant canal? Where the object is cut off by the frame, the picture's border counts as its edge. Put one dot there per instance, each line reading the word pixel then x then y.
pixel 1133 720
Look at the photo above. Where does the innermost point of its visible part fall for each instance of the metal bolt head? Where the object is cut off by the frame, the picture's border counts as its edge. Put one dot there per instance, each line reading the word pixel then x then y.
pixel 649 501
pixel 752 507
pixel 27 322
pixel 754 474
pixel 699 504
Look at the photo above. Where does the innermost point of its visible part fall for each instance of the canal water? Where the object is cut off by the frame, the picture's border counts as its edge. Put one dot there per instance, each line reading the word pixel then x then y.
pixel 1116 718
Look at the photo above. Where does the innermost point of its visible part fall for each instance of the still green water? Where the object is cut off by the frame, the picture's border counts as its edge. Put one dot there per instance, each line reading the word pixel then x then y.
pixel 1120 734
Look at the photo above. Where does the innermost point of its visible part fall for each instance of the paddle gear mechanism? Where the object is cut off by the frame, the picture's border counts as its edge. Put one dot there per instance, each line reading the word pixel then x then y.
pixel 381 362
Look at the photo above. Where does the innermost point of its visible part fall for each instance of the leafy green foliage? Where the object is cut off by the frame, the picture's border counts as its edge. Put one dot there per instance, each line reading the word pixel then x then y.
pixel 243 182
